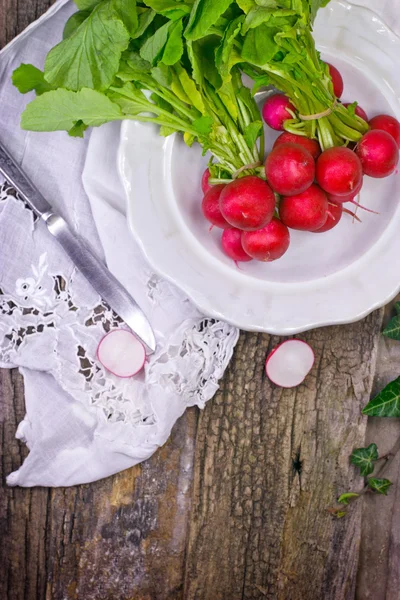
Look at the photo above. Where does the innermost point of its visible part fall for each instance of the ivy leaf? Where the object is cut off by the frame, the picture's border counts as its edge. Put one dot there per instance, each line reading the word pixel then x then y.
pixel 364 458
pixel 393 328
pixel 347 497
pixel 90 57
pixel 380 486
pixel 252 132
pixel 62 109
pixel 387 403
pixel 27 78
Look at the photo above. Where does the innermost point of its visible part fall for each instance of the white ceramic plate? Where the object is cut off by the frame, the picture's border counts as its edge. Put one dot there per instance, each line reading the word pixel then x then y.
pixel 337 277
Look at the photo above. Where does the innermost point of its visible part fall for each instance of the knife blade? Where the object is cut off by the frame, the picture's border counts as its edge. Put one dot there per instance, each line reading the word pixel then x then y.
pixel 100 278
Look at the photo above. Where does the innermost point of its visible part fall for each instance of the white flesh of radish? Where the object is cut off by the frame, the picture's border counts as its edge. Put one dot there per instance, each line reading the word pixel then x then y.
pixel 121 353
pixel 289 364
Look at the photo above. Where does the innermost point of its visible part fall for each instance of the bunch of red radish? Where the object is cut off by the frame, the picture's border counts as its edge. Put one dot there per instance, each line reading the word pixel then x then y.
pixel 305 188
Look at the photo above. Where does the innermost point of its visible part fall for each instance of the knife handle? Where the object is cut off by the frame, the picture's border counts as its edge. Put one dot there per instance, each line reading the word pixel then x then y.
pixel 24 186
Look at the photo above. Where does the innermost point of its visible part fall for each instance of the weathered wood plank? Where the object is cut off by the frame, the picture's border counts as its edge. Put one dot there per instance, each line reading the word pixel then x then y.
pixel 379 568
pixel 258 530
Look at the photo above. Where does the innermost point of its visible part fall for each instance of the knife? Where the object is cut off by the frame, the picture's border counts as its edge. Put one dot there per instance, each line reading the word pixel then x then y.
pixel 100 278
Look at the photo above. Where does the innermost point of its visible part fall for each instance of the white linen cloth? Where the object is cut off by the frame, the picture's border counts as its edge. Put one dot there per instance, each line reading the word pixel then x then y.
pixel 82 423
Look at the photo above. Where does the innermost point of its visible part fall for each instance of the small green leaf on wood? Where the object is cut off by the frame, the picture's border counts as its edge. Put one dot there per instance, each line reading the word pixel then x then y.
pixel 347 497
pixel 364 458
pixel 380 486
pixel 387 403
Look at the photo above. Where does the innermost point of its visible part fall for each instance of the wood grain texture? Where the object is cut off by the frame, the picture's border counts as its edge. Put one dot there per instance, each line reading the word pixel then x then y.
pixel 379 566
pixel 258 529
pixel 219 512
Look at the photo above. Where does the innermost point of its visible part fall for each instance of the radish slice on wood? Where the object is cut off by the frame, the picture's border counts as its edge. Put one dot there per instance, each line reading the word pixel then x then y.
pixel 289 363
pixel 121 353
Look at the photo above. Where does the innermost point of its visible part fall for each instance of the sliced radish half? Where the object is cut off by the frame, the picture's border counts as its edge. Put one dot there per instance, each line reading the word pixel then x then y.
pixel 289 363
pixel 121 353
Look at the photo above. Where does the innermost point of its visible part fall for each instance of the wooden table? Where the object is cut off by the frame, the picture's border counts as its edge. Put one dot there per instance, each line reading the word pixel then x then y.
pixel 234 506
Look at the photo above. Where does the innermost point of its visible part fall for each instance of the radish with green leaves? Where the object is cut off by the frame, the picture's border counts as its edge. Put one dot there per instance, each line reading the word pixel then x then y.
pixel 378 153
pixel 232 245
pixel 388 124
pixel 290 169
pixel 290 138
pixel 337 80
pixel 211 209
pixel 247 203
pixel 205 185
pixel 307 211
pixel 360 112
pixel 275 111
pixel 335 212
pixel 339 171
pixel 267 244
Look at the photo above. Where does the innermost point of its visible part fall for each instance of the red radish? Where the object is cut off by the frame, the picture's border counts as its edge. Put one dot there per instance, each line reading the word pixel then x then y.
pixel 307 211
pixel 335 212
pixel 289 363
pixel 275 112
pixel 378 152
pixel 247 203
pixel 360 112
pixel 290 169
pixel 337 80
pixel 290 138
pixel 121 353
pixel 267 244
pixel 205 186
pixel 348 198
pixel 232 245
pixel 211 209
pixel 388 124
pixel 339 171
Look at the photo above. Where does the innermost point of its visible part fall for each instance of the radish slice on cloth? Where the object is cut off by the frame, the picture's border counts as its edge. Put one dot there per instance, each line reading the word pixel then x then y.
pixel 289 363
pixel 121 353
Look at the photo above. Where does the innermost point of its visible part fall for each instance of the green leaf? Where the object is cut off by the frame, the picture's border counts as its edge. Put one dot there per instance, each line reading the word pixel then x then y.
pixel 166 131
pixel 380 486
pixel 246 5
pixel 204 15
pixel 27 78
pixel 78 129
pixel 364 458
pixel 347 497
pixel 154 45
pixel 259 45
pixel 87 4
pixel 260 82
pixel 145 18
pixel 267 3
pixel 162 74
pixel 126 9
pixel 252 132
pixel 74 21
pixel 202 57
pixel 89 57
pixel 203 125
pixel 189 88
pixel 174 47
pixel 387 403
pixel 161 103
pixel 224 52
pixel 131 100
pixel 315 6
pixel 62 109
pixel 392 330
pixel 169 8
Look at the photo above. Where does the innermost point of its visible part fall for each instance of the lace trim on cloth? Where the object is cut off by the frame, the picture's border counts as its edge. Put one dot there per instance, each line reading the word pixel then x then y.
pixel 47 323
